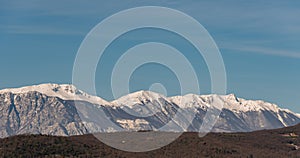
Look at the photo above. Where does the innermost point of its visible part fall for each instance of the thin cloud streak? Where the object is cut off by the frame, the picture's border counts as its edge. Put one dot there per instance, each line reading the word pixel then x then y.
pixel 39 30
pixel 262 50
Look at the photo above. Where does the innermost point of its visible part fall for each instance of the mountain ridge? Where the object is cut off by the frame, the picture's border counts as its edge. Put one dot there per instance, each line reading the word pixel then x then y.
pixel 45 88
pixel 64 110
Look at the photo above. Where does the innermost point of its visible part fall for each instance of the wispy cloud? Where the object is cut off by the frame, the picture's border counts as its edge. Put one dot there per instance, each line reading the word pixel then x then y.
pixel 261 50
pixel 232 21
pixel 39 30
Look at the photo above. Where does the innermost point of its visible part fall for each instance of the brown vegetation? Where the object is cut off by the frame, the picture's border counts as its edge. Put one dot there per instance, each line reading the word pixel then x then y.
pixel 267 143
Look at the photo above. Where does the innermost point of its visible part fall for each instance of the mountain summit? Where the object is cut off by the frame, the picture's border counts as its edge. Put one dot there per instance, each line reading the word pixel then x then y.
pixel 63 91
pixel 64 110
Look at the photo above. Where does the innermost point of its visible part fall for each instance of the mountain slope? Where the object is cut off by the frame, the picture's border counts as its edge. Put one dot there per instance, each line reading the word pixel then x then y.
pixel 243 115
pixel 34 112
pixel 64 110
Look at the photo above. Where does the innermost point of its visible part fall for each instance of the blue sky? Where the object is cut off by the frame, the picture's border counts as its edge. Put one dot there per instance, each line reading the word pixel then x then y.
pixel 259 42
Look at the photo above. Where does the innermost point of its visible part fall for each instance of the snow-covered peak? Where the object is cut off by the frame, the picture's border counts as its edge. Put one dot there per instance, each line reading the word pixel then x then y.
pixel 231 97
pixel 63 91
pixel 138 97
pixel 189 100
pixel 234 103
pixel 230 102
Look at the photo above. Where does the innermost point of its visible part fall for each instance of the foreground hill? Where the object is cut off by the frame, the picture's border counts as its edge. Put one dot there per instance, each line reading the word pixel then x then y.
pixel 63 110
pixel 283 142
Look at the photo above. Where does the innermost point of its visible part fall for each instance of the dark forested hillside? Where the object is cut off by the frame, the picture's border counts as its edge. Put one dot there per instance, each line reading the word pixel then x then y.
pixel 267 143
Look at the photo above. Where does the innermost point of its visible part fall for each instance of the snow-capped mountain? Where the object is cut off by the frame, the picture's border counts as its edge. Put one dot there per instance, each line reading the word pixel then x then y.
pixel 63 91
pixel 64 110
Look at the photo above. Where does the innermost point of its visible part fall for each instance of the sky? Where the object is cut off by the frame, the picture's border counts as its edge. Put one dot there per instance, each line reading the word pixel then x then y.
pixel 258 40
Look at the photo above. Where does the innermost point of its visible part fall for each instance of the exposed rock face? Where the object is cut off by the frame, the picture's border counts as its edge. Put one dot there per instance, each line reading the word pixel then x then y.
pixel 47 109
pixel 33 112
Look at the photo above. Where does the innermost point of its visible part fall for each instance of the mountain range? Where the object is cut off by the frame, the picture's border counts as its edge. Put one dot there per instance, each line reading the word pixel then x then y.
pixel 64 110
